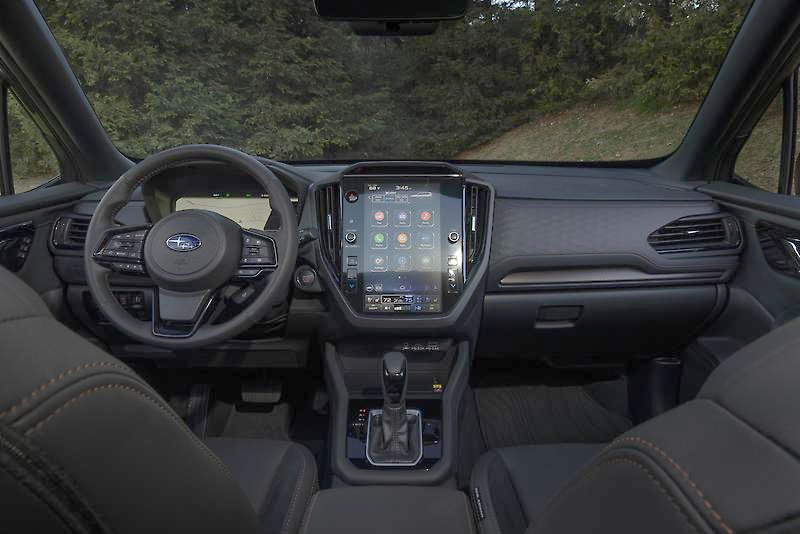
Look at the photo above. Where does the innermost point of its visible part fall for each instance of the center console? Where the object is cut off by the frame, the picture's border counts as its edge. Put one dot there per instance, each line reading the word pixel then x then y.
pixel 419 387
pixel 403 255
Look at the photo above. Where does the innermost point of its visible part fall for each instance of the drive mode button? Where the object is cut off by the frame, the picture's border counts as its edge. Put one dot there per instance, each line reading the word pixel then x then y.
pixel 350 237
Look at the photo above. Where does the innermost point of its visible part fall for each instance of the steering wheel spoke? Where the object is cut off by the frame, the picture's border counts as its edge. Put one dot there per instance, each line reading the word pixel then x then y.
pixel 178 314
pixel 259 254
pixel 121 249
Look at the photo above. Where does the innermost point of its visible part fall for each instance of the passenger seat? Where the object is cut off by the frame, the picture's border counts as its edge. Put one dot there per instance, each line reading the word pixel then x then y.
pixel 726 461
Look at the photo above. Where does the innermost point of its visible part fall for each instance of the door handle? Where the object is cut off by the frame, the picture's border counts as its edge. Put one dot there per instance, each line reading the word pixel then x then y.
pixel 792 247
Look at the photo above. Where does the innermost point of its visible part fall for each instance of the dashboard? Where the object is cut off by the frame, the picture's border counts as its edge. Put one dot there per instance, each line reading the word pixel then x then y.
pixel 577 265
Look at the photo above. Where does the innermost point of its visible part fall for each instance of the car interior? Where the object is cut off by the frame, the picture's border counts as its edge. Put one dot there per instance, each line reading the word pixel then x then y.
pixel 199 337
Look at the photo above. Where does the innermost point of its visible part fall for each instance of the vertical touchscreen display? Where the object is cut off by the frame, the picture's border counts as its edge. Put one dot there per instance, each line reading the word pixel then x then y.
pixel 402 247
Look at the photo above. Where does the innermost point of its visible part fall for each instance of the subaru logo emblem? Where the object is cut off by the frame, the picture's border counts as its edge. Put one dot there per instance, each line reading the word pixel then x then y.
pixel 183 242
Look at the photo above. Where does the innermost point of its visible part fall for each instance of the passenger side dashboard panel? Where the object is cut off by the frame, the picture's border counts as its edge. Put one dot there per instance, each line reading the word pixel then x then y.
pixel 544 244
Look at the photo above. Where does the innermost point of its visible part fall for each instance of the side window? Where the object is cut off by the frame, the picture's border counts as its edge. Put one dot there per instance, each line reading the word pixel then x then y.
pixel 759 161
pixel 32 161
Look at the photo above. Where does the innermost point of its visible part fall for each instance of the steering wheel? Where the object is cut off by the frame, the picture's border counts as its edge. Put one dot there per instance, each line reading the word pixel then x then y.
pixel 189 255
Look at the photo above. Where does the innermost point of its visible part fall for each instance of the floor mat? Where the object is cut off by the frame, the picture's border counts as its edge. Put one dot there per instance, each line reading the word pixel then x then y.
pixel 526 415
pixel 273 424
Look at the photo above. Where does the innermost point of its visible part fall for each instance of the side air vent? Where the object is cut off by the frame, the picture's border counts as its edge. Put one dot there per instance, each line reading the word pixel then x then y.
pixel 70 232
pixel 476 210
pixel 328 211
pixel 697 234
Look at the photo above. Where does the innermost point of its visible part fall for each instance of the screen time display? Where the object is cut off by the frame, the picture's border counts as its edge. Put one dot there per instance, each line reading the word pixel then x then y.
pixel 248 210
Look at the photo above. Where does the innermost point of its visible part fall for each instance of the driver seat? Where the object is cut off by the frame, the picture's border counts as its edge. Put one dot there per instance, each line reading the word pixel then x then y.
pixel 87 446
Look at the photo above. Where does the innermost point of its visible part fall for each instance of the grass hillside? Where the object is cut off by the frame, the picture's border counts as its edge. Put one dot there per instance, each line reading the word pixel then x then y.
pixel 604 132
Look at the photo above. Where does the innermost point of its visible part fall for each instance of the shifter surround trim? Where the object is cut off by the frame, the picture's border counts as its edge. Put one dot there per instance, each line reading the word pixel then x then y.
pixel 379 411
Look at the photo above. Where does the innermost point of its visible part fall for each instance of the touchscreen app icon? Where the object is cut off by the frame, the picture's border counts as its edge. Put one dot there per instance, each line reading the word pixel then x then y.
pixel 379 240
pixel 379 217
pixel 402 262
pixel 425 240
pixel 402 218
pixel 378 263
pixel 426 262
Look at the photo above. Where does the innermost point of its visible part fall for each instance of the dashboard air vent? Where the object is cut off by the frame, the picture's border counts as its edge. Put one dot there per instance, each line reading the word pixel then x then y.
pixel 697 234
pixel 476 210
pixel 70 232
pixel 328 208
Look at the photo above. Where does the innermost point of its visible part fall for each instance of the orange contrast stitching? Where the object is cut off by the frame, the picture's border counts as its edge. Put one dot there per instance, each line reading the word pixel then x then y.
pixel 123 387
pixel 685 475
pixel 30 396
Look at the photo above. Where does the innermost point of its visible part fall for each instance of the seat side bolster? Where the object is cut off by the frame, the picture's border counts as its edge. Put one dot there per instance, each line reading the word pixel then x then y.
pixel 497 505
pixel 295 484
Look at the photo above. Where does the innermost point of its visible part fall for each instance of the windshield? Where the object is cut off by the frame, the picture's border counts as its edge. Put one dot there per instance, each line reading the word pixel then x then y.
pixel 536 80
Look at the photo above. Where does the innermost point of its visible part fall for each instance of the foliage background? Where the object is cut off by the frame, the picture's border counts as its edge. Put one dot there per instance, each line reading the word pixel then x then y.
pixel 270 78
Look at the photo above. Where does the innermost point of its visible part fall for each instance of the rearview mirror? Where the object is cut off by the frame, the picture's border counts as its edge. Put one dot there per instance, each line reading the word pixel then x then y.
pixel 391 10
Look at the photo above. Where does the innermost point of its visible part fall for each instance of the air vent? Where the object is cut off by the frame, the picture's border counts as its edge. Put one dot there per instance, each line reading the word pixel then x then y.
pixel 476 210
pixel 328 208
pixel 697 234
pixel 70 232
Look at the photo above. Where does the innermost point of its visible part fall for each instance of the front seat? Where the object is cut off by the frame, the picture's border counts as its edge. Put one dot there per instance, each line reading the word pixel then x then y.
pixel 87 446
pixel 726 461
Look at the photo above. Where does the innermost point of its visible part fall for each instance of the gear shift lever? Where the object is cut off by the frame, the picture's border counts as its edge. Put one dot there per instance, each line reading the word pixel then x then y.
pixel 394 378
pixel 394 423
pixel 396 436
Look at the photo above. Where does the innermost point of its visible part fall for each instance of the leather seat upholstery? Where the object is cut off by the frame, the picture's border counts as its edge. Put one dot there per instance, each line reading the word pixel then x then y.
pixel 726 461
pixel 87 446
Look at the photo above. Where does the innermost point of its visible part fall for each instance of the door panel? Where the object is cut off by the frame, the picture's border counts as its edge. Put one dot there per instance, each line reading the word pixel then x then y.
pixel 769 220
pixel 760 297
pixel 25 223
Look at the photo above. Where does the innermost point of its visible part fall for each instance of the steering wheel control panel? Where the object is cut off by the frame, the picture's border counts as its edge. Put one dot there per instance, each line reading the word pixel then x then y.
pixel 402 246
pixel 122 251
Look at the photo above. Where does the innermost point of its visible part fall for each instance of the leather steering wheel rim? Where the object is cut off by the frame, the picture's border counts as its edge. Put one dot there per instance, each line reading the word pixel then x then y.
pixel 118 196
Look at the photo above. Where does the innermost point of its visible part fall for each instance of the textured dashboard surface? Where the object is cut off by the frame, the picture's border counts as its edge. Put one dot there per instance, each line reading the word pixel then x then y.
pixel 531 234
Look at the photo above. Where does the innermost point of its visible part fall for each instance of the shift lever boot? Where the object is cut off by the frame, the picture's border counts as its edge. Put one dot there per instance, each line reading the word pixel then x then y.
pixel 394 433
